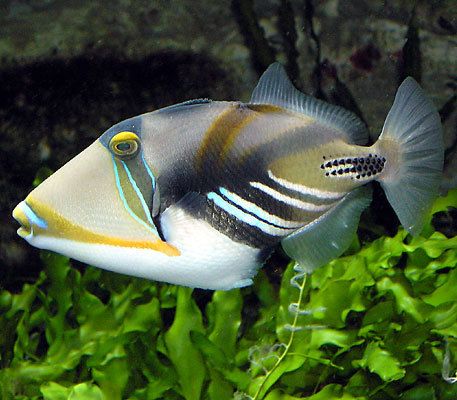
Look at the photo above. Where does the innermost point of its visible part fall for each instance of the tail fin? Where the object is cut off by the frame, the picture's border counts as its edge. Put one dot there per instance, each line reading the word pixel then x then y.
pixel 412 133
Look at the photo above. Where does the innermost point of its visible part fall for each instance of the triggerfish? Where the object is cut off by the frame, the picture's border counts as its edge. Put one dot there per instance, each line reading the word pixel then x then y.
pixel 200 193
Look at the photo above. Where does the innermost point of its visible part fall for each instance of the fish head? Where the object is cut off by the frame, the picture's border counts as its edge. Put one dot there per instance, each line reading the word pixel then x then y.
pixel 102 200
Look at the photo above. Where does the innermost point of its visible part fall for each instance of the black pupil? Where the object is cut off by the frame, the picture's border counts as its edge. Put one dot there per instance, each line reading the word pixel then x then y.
pixel 123 147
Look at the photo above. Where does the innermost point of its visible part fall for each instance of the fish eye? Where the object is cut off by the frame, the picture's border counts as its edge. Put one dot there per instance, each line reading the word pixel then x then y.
pixel 126 147
pixel 125 144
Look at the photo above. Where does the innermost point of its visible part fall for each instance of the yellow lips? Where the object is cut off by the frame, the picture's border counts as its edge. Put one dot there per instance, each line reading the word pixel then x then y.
pixel 25 228
pixel 80 203
pixel 60 227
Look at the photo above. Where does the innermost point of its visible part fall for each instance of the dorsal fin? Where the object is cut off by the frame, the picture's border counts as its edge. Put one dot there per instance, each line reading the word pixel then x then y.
pixel 184 104
pixel 274 87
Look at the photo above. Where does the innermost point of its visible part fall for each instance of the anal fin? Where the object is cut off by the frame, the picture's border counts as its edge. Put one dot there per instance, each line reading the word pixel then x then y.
pixel 330 235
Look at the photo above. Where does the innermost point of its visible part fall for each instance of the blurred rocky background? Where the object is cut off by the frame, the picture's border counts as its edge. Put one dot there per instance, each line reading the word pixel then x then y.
pixel 70 69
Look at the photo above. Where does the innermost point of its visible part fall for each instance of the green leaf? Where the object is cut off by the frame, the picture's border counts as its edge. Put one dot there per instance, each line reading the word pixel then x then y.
pixel 329 392
pixel 277 394
pixel 419 392
pixel 112 378
pixel 186 359
pixel 212 353
pixel 219 388
pixel 375 321
pixel 224 315
pixel 54 391
pixel 143 317
pixel 261 385
pixel 381 362
pixel 442 203
pixel 345 339
pixel 447 292
pixel 156 389
pixel 85 391
pixel 404 301
pixel 82 391
pixel 444 317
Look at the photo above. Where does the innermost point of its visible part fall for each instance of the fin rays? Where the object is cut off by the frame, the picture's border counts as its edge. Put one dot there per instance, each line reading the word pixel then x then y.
pixel 328 236
pixel 275 88
pixel 414 125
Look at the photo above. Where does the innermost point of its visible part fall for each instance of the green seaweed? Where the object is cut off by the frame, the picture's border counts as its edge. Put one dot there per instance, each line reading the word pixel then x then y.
pixel 261 53
pixel 411 60
pixel 378 323
pixel 288 31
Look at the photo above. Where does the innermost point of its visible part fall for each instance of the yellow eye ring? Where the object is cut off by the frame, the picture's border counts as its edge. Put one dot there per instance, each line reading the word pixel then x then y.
pixel 125 144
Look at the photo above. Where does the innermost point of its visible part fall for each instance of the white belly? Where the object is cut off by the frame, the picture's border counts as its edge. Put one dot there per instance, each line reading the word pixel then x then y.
pixel 208 260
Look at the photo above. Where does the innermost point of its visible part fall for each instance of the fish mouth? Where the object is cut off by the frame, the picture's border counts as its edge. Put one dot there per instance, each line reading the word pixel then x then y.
pixel 35 223
pixel 27 218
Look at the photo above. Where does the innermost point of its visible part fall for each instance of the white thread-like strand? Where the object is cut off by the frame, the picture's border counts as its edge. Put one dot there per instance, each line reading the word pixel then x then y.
pixel 299 268
pixel 294 309
pixel 259 354
pixel 297 281
pixel 296 187
pixel 302 205
pixel 294 281
pixel 298 328
pixel 446 368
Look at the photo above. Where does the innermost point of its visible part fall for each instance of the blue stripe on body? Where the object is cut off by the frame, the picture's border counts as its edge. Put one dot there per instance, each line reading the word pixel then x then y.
pixel 152 228
pixel 246 218
pixel 253 209
pixel 258 211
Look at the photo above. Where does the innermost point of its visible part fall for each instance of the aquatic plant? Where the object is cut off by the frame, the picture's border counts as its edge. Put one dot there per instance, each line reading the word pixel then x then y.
pixel 378 323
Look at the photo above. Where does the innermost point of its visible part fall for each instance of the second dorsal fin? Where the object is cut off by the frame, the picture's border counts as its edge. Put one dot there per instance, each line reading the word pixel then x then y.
pixel 274 87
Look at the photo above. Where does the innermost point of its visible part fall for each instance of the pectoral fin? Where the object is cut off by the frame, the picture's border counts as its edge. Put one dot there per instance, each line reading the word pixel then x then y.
pixel 327 237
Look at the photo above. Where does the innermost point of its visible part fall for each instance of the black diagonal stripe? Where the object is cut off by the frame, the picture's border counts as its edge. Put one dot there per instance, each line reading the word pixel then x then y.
pixel 239 207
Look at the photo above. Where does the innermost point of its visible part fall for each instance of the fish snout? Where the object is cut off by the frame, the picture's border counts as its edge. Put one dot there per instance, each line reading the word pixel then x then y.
pixel 82 203
pixel 28 220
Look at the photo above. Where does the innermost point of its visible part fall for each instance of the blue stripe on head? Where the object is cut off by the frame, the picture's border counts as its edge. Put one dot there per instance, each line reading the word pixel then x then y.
pixel 152 228
pixel 32 217
pixel 148 170
pixel 138 192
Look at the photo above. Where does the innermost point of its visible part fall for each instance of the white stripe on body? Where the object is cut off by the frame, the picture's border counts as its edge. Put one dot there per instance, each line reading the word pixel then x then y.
pixel 260 212
pixel 248 218
pixel 302 205
pixel 296 187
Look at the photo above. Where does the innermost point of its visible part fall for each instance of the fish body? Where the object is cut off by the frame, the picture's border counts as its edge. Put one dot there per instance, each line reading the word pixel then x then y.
pixel 200 193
